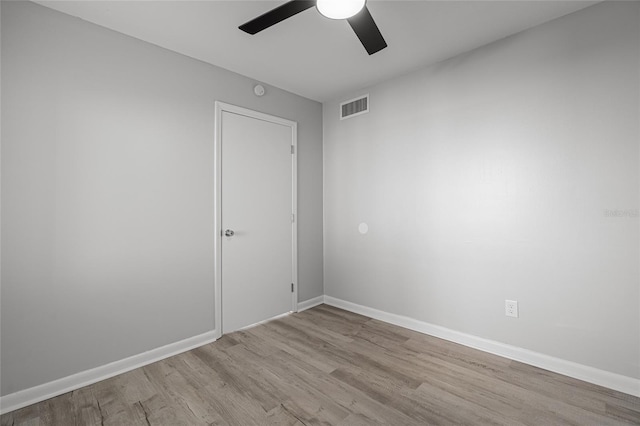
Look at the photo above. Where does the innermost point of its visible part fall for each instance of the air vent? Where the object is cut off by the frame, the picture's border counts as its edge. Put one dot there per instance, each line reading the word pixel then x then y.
pixel 354 107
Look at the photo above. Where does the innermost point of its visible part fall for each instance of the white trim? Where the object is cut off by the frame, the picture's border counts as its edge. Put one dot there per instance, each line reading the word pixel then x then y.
pixel 217 235
pixel 48 390
pixel 593 375
pixel 57 387
pixel 310 303
pixel 219 108
pixel 294 211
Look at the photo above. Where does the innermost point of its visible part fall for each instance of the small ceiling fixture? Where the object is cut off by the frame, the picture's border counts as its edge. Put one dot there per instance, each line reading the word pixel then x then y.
pixel 340 9
pixel 258 90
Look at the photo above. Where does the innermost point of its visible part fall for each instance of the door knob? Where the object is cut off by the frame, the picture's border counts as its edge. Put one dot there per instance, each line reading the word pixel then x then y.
pixel 229 233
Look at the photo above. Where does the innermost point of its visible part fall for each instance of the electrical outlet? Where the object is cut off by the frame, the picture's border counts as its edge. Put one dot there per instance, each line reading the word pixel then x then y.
pixel 511 308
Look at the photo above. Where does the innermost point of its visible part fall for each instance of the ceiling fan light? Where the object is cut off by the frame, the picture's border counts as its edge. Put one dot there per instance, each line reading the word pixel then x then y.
pixel 339 9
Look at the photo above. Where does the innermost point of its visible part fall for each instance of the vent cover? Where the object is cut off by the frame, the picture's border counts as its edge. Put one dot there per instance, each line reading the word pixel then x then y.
pixel 354 107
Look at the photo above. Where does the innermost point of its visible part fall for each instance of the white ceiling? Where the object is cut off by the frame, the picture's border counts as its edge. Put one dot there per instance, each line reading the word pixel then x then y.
pixel 308 54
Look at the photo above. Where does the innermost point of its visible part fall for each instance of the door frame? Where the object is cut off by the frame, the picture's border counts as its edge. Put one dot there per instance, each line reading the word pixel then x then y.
pixel 221 107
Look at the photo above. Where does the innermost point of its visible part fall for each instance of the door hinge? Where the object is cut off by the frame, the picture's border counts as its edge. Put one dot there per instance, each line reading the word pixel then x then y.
pixel 291 287
pixel 293 217
pixel 293 149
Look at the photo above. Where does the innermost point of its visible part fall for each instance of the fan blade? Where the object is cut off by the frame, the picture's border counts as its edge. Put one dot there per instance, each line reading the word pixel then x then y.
pixel 276 15
pixel 367 31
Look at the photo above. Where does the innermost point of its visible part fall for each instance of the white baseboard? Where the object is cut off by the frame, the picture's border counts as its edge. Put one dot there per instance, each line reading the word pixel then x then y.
pixel 310 303
pixel 45 391
pixel 48 390
pixel 593 375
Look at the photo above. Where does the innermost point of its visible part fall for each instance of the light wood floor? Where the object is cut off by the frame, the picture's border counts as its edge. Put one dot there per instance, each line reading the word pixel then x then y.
pixel 329 366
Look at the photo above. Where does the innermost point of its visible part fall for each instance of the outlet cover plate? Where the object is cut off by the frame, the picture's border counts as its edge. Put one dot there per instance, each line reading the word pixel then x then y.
pixel 511 308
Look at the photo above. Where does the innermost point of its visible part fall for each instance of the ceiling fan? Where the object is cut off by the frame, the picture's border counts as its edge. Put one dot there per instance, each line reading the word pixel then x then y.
pixel 354 11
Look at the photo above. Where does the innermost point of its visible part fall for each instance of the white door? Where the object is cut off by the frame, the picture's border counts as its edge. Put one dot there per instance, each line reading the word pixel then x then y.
pixel 257 222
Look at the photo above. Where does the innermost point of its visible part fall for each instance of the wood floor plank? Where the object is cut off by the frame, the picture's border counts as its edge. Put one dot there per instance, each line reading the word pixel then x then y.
pixel 323 387
pixel 549 405
pixel 113 406
pixel 85 407
pixel 26 416
pixel 177 392
pixel 235 395
pixel 282 416
pixel 630 415
pixel 589 397
pixel 327 366
pixel 348 397
pixel 237 374
pixel 279 372
pixel 346 315
pixel 298 347
pixel 343 356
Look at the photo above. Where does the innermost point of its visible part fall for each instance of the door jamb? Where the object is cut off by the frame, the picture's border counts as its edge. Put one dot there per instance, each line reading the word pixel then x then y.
pixel 221 107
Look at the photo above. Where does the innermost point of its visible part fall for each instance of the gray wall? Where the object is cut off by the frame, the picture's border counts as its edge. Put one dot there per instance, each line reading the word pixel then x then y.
pixel 507 172
pixel 107 193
